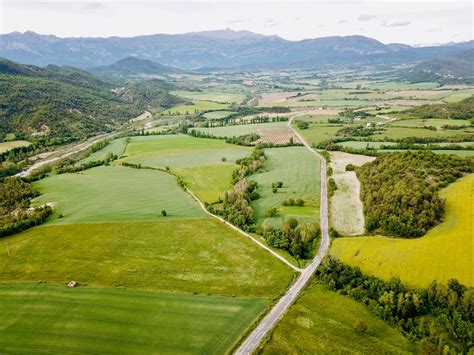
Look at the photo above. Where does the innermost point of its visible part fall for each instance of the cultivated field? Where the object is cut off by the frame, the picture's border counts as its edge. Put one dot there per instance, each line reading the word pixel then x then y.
pixel 239 130
pixel 115 194
pixel 195 107
pixel 215 96
pixel 200 255
pixel 321 322
pixel 217 115
pixel 38 317
pixel 346 210
pixel 299 171
pixel 6 146
pixel 444 252
pixel 116 147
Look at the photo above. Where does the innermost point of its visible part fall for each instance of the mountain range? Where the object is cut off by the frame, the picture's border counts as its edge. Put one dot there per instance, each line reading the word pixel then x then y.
pixel 214 49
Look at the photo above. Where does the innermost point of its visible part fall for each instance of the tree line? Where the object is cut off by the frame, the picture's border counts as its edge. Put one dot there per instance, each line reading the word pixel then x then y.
pixel 439 318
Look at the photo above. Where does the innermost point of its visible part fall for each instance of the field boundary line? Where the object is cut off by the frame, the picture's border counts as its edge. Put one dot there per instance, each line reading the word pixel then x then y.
pixel 255 338
pixel 237 229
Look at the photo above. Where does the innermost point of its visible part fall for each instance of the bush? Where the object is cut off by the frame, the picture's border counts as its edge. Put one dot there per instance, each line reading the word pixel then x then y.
pixel 271 212
pixel 163 213
pixel 360 326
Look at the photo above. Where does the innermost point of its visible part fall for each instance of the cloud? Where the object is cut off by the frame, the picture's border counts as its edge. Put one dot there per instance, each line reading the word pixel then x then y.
pixel 366 17
pixel 342 21
pixel 94 5
pixel 396 24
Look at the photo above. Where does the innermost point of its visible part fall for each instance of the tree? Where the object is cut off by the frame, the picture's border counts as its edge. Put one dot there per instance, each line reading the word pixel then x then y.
pixel 163 213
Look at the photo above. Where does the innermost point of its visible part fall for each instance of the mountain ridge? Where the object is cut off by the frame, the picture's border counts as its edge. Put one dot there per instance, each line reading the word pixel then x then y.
pixel 219 49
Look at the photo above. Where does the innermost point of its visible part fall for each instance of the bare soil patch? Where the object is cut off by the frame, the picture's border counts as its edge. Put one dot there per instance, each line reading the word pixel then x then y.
pixel 277 136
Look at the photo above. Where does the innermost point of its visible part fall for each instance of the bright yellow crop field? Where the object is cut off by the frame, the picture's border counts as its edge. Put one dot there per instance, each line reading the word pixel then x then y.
pixel 444 252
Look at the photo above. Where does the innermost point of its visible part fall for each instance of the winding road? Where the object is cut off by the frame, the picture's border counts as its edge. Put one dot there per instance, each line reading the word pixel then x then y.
pixel 269 321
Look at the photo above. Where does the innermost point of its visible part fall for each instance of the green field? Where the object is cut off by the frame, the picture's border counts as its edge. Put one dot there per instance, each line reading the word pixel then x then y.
pixel 438 123
pixel 208 182
pixel 180 151
pixel 115 193
pixel 316 134
pixel 6 146
pixel 198 160
pixel 195 107
pixel 299 171
pixel 216 96
pixel 40 318
pixel 199 255
pixel 402 132
pixel 321 322
pixel 117 147
pixel 217 115
pixel 444 252
pixel 239 130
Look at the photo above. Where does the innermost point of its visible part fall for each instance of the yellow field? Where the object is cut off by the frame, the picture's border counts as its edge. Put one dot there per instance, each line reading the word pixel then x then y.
pixel 444 252
pixel 6 146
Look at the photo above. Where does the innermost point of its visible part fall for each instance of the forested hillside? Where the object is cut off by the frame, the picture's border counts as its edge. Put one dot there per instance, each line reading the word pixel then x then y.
pixel 399 190
pixel 462 110
pixel 65 101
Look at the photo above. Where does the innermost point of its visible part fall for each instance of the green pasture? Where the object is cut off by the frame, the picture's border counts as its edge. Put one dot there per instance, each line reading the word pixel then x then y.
pixel 217 115
pixel 115 193
pixel 117 147
pixel 42 318
pixel 240 130
pixel 299 171
pixel 405 132
pixel 459 95
pixel 321 322
pixel 199 255
pixel 214 96
pixel 316 134
pixel 438 123
pixel 195 107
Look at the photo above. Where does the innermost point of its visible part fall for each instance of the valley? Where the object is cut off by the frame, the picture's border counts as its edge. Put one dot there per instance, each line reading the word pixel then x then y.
pixel 228 210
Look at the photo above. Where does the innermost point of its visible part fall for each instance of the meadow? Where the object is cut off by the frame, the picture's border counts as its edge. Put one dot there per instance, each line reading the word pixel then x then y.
pixel 242 129
pixel 215 96
pixel 199 255
pixel 115 193
pixel 321 322
pixel 195 107
pixel 444 252
pixel 299 171
pixel 40 317
pixel 116 147
pixel 217 115
pixel 6 146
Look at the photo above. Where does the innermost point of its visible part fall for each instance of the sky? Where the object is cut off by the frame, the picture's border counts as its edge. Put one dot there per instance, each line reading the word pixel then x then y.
pixel 417 22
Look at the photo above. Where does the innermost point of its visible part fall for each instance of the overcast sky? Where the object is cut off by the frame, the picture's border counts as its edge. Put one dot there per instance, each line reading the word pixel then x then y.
pixel 403 21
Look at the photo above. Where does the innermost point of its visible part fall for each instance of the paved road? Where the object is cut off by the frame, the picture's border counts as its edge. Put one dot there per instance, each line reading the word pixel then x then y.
pixel 269 321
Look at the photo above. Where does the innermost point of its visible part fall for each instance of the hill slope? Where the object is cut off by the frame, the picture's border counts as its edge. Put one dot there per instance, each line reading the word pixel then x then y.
pixel 132 66
pixel 451 69
pixel 64 101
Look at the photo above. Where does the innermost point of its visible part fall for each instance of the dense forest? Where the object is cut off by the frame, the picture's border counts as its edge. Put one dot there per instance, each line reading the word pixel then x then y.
pixel 439 318
pixel 15 211
pixel 69 102
pixel 399 190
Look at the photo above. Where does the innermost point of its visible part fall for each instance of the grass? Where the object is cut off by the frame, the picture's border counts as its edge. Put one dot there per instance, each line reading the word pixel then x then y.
pixel 217 115
pixel 215 96
pixel 208 182
pixel 438 123
pixel 239 130
pixel 6 146
pixel 115 194
pixel 316 134
pixel 321 322
pixel 199 255
pixel 117 147
pixel 195 107
pixel 402 132
pixel 180 151
pixel 444 252
pixel 299 171
pixel 38 317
